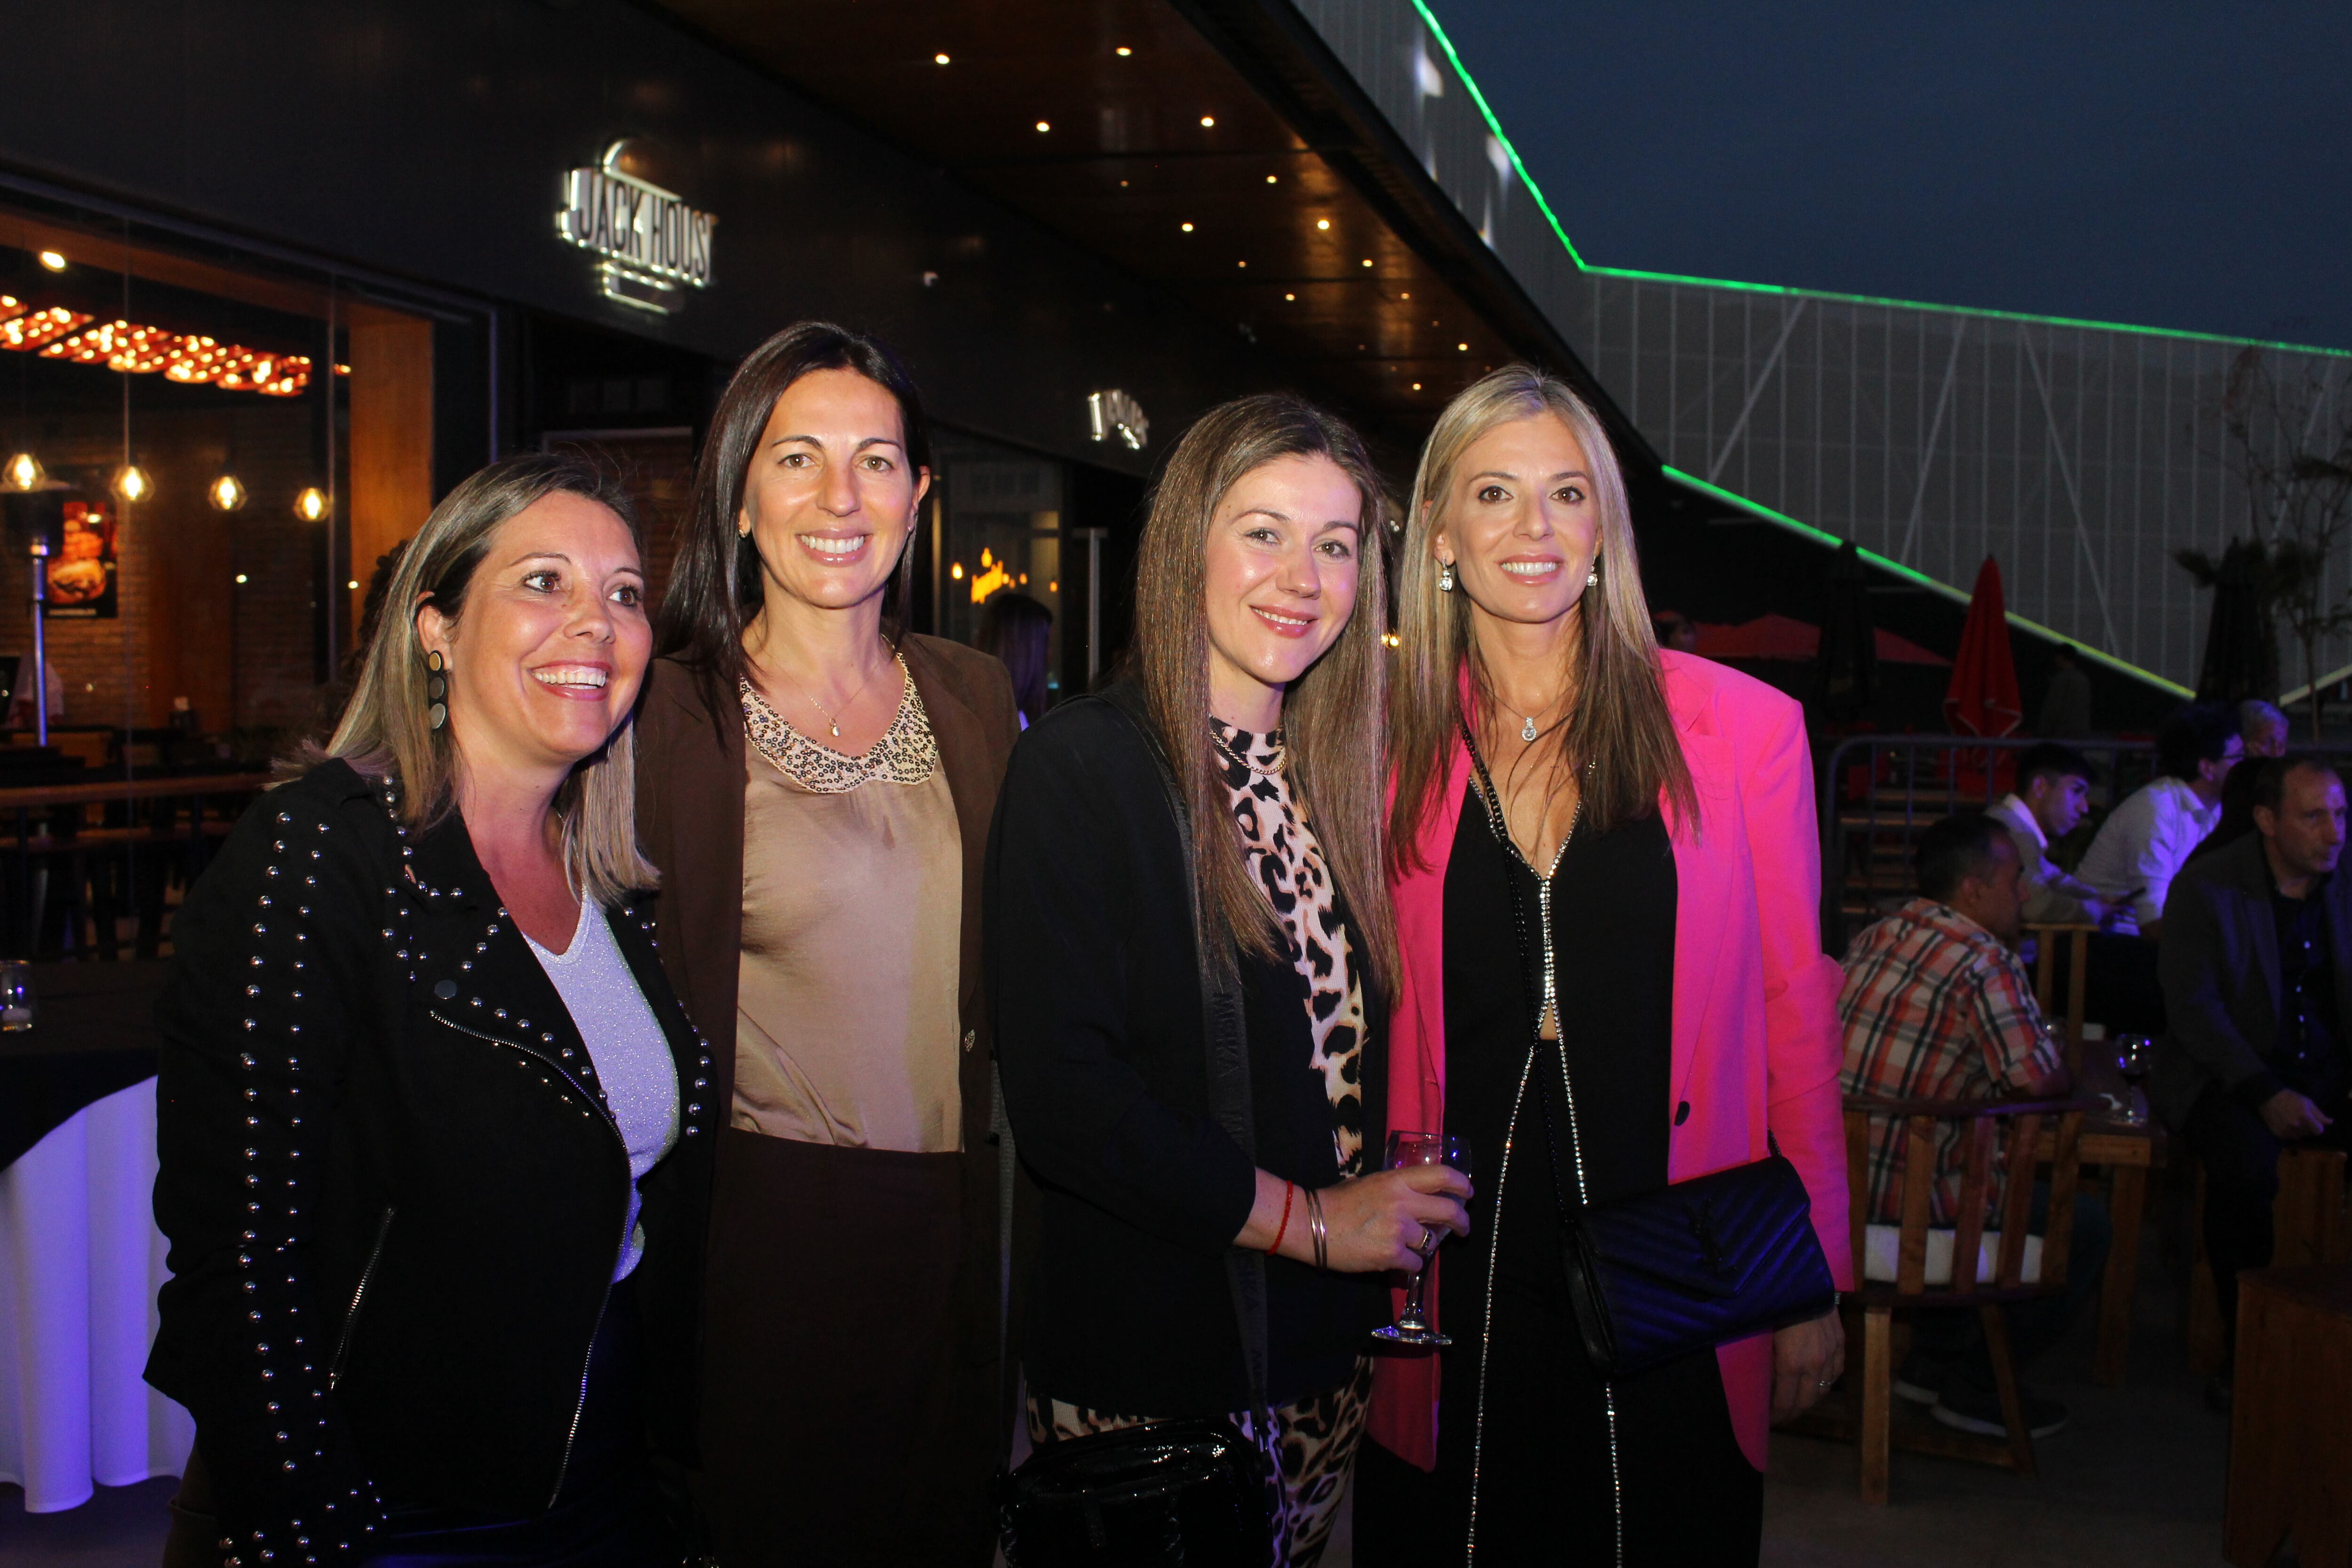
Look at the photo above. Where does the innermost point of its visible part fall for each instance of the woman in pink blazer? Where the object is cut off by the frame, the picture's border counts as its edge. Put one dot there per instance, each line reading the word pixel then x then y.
pixel 1606 882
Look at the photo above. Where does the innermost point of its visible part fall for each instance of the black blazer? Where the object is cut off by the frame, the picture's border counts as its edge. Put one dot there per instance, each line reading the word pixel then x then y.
pixel 1093 980
pixel 394 1191
pixel 2220 964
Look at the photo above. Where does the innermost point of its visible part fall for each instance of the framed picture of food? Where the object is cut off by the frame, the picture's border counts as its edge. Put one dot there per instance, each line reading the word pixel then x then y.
pixel 81 563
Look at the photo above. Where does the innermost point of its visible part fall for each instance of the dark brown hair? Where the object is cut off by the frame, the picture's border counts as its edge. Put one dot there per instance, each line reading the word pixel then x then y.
pixel 716 588
pixel 1017 629
pixel 1332 716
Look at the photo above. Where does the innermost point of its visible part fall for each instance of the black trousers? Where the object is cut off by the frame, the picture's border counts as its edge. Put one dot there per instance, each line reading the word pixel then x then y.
pixel 1547 1488
pixel 2240 1158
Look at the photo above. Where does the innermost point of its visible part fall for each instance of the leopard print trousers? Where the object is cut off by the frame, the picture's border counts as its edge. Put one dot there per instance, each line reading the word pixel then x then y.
pixel 1309 1450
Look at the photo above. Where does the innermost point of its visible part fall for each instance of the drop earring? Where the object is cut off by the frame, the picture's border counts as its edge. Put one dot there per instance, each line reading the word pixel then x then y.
pixel 1592 578
pixel 1445 576
pixel 437 688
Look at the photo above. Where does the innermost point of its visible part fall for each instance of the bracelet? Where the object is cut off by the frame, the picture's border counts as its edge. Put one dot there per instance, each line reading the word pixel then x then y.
pixel 1288 1192
pixel 1314 1228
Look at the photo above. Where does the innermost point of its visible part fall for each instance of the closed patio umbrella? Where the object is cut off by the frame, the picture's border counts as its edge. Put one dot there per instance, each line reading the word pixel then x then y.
pixel 1982 698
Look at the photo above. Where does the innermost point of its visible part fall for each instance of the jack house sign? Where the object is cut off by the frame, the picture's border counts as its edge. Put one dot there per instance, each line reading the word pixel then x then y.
pixel 650 241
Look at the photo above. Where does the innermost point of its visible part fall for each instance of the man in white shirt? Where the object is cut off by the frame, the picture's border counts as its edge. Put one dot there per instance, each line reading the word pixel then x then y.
pixel 2146 840
pixel 2053 790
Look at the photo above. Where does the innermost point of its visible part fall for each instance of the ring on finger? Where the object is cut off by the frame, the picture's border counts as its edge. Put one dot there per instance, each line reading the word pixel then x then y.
pixel 1428 1241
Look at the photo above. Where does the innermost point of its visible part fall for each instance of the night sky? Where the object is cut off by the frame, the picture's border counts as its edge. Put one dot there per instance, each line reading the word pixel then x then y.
pixel 2160 165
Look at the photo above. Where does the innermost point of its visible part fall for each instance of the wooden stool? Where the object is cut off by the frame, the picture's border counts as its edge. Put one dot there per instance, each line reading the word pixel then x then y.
pixel 2309 1220
pixel 2290 1442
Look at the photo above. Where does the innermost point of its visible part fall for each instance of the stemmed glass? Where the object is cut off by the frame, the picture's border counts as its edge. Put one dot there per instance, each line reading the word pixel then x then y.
pixel 2134 1059
pixel 1405 1149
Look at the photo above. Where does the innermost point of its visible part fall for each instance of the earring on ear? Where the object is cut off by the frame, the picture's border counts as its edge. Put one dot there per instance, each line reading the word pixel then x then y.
pixel 1592 578
pixel 1445 576
pixel 437 688
pixel 742 531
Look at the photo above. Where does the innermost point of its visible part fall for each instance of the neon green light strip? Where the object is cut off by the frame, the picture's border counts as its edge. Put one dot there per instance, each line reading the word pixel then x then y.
pixel 1495 126
pixel 1830 540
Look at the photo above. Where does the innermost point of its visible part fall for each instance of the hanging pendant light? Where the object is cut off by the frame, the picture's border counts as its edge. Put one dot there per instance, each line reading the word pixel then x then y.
pixel 24 472
pixel 226 493
pixel 311 504
pixel 131 483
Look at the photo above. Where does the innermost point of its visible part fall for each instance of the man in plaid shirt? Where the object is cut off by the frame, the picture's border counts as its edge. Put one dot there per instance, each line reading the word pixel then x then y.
pixel 1936 1007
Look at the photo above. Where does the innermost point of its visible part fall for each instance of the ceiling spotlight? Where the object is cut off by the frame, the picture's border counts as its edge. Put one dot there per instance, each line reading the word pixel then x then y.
pixel 242 579
pixel 1290 296
pixel 1241 264
pixel 1045 125
pixel 226 493
pixel 131 483
pixel 1463 347
pixel 938 60
pixel 1271 179
pixel 311 504
pixel 1207 121
pixel 54 260
pixel 1367 261
pixel 1322 223
pixel 1186 227
pixel 24 472
pixel 1416 386
pixel 351 585
pixel 1404 296
pixel 1122 51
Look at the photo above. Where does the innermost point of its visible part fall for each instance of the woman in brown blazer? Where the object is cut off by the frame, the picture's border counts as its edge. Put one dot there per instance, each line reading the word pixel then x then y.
pixel 815 784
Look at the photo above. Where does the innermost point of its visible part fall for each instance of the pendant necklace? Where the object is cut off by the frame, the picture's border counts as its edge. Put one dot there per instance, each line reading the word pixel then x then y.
pixel 854 696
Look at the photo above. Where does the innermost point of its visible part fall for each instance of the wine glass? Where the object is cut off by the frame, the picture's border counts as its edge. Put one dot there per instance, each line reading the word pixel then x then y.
pixel 2134 1059
pixel 1405 1149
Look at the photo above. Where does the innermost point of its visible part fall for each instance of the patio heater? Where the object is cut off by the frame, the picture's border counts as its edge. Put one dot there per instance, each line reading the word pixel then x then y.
pixel 40 553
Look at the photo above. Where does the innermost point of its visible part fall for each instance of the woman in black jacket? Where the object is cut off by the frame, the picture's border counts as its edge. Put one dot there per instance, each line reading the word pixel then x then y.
pixel 1260 680
pixel 420 1063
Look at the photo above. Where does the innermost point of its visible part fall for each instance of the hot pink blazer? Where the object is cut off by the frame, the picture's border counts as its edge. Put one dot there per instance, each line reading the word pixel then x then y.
pixel 1757 1044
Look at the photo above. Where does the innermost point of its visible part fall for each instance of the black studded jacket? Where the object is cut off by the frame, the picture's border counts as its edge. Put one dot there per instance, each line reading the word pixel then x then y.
pixel 393 1193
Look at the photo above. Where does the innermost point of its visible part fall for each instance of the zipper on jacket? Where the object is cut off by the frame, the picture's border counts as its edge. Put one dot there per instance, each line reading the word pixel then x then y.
pixel 351 1318
pixel 1549 1007
pixel 588 1357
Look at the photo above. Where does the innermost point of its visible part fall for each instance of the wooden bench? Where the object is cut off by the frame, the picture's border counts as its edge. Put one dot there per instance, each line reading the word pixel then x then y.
pixel 2309 1222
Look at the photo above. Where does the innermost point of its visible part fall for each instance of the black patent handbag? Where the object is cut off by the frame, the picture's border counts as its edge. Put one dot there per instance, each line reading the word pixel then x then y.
pixel 1190 1492
pixel 1689 1266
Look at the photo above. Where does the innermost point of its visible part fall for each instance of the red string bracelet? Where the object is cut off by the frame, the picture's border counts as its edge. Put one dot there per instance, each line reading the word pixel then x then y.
pixel 1288 1192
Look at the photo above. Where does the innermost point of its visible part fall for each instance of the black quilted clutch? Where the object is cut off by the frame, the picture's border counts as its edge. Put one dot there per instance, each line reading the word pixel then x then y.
pixel 1691 1266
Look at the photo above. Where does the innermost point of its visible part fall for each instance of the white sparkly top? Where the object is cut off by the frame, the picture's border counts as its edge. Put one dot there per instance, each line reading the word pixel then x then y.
pixel 625 1042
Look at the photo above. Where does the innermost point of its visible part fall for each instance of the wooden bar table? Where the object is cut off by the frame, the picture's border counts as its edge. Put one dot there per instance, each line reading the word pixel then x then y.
pixel 2126 1151
pixel 2290 1436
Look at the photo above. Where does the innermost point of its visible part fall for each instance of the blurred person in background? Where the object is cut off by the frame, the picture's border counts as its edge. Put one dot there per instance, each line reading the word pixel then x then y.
pixel 2054 792
pixel 2066 704
pixel 2264 730
pixel 1018 630
pixel 2147 838
pixel 2257 969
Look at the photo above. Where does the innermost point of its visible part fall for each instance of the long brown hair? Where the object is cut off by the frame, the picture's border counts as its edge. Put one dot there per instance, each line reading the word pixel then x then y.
pixel 384 733
pixel 1331 715
pixel 1620 726
pixel 717 588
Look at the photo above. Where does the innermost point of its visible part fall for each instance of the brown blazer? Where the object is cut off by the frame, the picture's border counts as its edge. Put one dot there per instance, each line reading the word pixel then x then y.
pixel 690 770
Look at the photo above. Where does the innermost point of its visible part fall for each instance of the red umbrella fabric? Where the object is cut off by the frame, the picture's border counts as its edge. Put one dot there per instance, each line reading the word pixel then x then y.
pixel 1783 637
pixel 1982 698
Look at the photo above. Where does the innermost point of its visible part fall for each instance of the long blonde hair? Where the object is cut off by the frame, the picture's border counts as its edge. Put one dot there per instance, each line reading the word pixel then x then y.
pixel 1620 725
pixel 385 731
pixel 1331 715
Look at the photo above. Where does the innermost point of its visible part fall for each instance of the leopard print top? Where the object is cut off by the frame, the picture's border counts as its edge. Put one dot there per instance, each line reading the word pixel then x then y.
pixel 1288 865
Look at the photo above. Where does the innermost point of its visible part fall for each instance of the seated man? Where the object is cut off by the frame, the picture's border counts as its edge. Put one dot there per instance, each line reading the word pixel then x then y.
pixel 2265 730
pixel 2053 790
pixel 1936 1007
pixel 2146 840
pixel 2257 968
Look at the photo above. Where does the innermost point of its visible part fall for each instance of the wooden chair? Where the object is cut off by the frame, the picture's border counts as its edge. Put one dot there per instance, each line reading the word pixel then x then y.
pixel 1997 1139
pixel 2310 1223
pixel 2046 937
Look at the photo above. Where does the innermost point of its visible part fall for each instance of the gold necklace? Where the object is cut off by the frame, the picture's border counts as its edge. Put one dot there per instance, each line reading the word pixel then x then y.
pixel 846 707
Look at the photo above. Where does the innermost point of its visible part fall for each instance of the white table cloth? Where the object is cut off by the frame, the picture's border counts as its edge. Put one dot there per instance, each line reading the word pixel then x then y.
pixel 80 1260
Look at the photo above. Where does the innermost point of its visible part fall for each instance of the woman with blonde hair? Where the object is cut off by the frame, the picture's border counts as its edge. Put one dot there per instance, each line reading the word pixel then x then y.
pixel 423 1084
pixel 1249 735
pixel 1605 878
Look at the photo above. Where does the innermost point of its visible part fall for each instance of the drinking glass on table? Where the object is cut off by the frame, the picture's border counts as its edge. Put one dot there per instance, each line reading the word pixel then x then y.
pixel 17 1000
pixel 1405 1149
pixel 2134 1059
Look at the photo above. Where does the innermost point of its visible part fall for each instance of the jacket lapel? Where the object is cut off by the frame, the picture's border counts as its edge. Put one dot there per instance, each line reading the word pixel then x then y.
pixel 963 753
pixel 1709 875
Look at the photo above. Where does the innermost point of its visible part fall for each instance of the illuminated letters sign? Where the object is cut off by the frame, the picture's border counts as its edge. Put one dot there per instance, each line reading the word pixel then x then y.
pixel 1114 412
pixel 651 241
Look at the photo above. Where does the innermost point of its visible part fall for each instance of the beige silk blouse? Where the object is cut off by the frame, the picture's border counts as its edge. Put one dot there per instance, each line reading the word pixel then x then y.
pixel 846 1019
